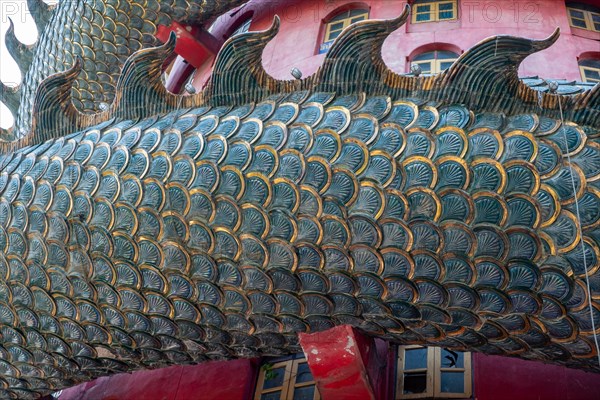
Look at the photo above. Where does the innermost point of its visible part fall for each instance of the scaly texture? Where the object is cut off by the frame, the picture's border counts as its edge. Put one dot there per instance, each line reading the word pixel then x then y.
pixel 182 229
pixel 218 233
pixel 103 33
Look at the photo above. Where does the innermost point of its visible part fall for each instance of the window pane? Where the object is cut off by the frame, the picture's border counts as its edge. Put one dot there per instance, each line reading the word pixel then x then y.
pixel 445 7
pixel 453 382
pixel 576 14
pixel 333 35
pixel 446 54
pixel 592 74
pixel 596 21
pixel 578 23
pixel 353 20
pixel 423 17
pixel 446 15
pixel 415 358
pixel 275 378
pixel 445 65
pixel 425 67
pixel 452 359
pixel 415 382
pixel 304 393
pixel 590 63
pixel 339 17
pixel 357 12
pixel 423 8
pixel 336 26
pixel 271 396
pixel 304 374
pixel 425 56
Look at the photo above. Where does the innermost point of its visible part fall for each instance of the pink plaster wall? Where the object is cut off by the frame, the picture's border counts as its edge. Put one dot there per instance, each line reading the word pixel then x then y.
pixel 503 378
pixel 300 34
pixel 231 380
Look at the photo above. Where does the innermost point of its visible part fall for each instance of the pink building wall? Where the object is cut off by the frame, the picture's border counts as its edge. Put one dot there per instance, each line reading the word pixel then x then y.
pixel 227 380
pixel 494 378
pixel 300 34
pixel 503 378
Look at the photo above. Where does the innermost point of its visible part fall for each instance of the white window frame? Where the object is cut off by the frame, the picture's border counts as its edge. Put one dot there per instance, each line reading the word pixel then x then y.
pixel 584 78
pixel 289 380
pixel 434 11
pixel 435 63
pixel 346 22
pixel 587 19
pixel 434 375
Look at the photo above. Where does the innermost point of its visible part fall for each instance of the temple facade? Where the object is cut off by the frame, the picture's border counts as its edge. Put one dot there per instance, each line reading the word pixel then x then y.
pixel 342 363
pixel 436 34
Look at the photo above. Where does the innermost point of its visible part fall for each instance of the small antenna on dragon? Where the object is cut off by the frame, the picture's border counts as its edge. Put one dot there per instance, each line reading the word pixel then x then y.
pixel 190 88
pixel 296 73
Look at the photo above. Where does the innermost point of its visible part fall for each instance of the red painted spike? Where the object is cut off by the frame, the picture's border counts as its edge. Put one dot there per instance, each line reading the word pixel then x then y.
pixel 194 51
pixel 346 364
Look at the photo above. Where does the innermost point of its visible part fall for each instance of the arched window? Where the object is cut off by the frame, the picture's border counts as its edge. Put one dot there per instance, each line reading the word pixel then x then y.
pixel 590 70
pixel 338 23
pixel 434 62
pixel 433 10
pixel 584 16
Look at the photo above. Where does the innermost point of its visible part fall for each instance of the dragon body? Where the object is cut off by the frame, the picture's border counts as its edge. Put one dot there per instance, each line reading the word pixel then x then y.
pixel 102 34
pixel 458 210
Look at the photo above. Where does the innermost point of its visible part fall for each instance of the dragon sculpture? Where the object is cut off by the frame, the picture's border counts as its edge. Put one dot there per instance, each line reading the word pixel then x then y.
pixel 458 210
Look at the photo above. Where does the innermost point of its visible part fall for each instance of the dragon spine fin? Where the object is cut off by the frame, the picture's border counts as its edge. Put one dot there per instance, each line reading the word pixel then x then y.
pixel 239 74
pixel 53 109
pixel 354 62
pixel 41 13
pixel 487 74
pixel 140 90
pixel 21 53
